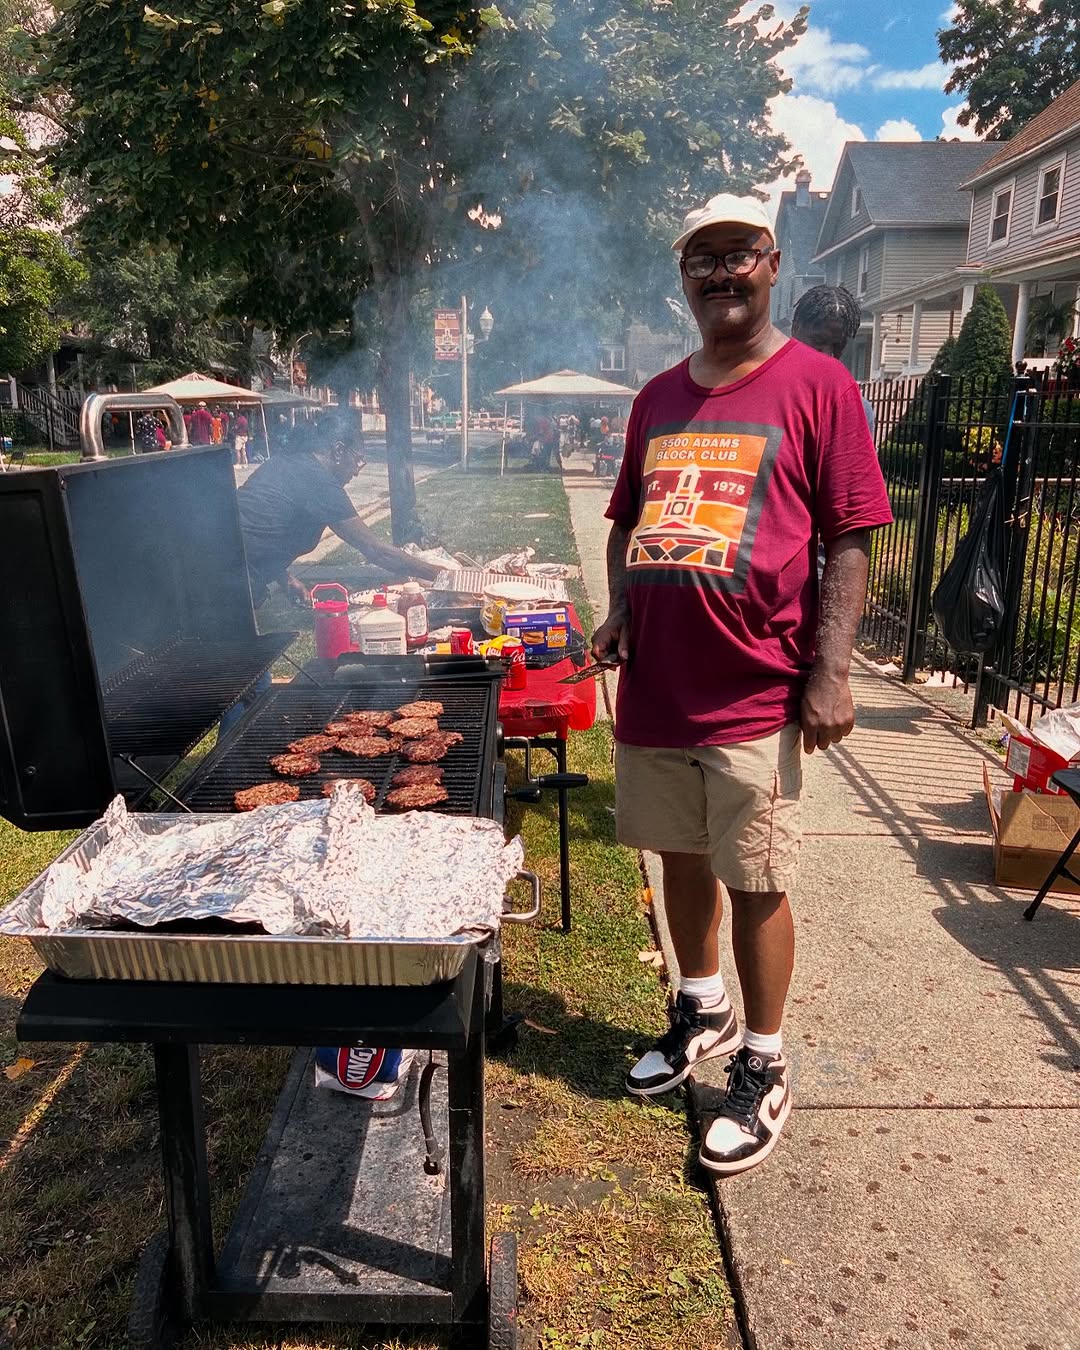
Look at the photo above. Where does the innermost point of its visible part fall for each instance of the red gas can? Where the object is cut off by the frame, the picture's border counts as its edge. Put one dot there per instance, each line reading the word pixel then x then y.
pixel 332 635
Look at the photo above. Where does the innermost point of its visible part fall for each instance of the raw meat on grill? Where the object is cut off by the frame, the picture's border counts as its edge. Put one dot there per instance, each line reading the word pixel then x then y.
pixel 412 728
pixel 295 766
pixel 421 707
pixel 313 745
pixel 367 747
pixel 431 748
pixel 266 794
pixel 416 774
pixel 413 798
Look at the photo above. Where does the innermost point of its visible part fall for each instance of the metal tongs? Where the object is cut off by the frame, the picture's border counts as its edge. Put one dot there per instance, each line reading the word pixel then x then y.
pixel 590 672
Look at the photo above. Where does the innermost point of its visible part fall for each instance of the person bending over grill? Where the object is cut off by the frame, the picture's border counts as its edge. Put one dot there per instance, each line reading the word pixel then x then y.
pixel 292 498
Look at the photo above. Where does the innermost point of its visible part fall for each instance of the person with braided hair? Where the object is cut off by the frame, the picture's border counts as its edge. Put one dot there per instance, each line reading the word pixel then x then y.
pixel 827 318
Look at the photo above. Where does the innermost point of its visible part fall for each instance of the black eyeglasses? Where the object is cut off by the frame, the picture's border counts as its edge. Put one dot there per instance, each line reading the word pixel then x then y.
pixel 739 263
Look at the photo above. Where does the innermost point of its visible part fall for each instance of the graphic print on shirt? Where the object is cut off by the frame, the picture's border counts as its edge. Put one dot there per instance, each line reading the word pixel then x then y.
pixel 703 486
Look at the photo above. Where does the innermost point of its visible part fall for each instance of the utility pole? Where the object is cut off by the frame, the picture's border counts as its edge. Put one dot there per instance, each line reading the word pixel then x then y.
pixel 464 382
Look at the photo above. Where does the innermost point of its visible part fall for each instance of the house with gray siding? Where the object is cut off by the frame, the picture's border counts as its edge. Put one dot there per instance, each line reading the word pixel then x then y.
pixel 895 218
pixel 1025 226
pixel 798 224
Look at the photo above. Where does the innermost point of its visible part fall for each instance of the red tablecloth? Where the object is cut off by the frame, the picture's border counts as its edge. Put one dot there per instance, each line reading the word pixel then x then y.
pixel 547 708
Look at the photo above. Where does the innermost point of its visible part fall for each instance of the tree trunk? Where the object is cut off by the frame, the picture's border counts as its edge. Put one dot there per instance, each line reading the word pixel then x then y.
pixel 394 369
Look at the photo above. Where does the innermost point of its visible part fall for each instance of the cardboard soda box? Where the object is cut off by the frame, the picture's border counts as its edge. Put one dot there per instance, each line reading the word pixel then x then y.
pixel 1037 752
pixel 539 630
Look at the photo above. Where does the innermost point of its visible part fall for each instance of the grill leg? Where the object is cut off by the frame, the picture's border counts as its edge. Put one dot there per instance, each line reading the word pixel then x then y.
pixel 183 1157
pixel 559 751
pixel 465 1089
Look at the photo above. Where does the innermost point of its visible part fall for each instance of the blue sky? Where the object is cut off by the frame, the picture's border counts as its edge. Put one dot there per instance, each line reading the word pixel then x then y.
pixel 864 71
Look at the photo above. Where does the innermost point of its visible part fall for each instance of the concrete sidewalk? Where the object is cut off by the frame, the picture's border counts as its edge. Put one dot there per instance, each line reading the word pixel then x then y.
pixel 924 1193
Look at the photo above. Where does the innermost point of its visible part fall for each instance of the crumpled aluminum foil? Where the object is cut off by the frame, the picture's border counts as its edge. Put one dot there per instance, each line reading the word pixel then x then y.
pixel 330 867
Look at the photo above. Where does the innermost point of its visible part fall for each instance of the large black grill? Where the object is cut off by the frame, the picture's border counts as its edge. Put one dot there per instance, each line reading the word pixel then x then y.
pixel 299 709
pixel 164 702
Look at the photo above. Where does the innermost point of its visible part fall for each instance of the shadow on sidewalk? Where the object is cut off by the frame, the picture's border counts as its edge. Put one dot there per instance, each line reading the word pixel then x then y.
pixel 1040 960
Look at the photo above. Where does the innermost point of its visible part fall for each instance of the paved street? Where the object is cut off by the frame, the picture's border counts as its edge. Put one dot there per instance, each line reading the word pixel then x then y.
pixel 924 1193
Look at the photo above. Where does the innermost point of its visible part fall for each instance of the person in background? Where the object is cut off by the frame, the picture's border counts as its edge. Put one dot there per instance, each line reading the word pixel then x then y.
pixel 201 430
pixel 827 318
pixel 292 498
pixel 240 438
pixel 149 435
pixel 737 461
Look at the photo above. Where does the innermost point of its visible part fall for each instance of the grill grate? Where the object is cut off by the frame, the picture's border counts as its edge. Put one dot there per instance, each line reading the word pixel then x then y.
pixel 165 702
pixel 290 711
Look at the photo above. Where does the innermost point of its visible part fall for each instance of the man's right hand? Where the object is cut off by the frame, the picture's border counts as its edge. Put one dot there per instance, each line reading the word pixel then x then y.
pixel 611 641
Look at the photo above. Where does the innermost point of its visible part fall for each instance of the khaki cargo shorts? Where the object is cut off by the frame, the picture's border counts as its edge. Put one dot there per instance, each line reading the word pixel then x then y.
pixel 739 804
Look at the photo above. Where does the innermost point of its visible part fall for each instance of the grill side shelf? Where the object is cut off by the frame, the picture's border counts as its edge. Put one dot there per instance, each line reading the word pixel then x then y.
pixel 290 711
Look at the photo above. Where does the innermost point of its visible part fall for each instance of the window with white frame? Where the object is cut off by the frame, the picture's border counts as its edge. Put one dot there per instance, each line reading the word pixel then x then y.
pixel 1049 196
pixel 864 269
pixel 1001 214
pixel 856 201
pixel 612 357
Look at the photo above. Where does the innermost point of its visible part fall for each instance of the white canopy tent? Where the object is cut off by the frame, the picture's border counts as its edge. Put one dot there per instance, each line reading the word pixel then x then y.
pixel 196 388
pixel 560 385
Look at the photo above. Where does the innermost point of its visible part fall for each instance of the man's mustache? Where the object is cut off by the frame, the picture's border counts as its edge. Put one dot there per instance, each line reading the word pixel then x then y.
pixel 720 288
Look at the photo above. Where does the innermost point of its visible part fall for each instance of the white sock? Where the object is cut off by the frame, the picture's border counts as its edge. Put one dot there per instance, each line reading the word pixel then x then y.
pixel 707 989
pixel 770 1044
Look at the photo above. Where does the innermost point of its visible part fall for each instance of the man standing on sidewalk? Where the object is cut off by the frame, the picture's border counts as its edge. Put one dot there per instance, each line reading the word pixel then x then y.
pixel 737 462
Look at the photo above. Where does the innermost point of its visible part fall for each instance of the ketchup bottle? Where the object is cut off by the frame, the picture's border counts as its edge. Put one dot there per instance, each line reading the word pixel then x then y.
pixel 413 608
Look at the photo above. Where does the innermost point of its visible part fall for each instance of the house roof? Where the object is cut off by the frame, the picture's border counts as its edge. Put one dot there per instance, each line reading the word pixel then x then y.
pixel 798 227
pixel 916 182
pixel 1062 116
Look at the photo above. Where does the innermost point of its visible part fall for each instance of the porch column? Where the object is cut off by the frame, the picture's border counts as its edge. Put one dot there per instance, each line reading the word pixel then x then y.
pixel 1023 305
pixel 916 324
pixel 50 374
pixel 875 348
pixel 1076 312
pixel 967 301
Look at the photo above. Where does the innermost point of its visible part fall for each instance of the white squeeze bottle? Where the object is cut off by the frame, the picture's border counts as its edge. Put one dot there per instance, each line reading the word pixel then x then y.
pixel 382 632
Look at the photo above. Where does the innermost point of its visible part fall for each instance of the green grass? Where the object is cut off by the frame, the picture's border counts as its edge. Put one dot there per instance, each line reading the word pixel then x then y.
pixel 617 1247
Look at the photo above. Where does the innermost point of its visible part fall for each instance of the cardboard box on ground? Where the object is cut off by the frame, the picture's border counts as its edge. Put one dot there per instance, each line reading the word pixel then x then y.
pixel 1031 830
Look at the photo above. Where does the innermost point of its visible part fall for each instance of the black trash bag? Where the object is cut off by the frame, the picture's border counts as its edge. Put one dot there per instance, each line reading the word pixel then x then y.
pixel 969 602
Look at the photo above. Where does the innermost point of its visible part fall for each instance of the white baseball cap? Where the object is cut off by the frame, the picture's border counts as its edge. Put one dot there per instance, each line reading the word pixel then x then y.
pixel 725 209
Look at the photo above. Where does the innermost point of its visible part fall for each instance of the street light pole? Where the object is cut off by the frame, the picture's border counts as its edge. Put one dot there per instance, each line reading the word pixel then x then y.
pixel 464 382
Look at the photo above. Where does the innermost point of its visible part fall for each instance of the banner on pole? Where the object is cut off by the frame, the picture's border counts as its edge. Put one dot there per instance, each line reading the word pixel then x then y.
pixel 447 335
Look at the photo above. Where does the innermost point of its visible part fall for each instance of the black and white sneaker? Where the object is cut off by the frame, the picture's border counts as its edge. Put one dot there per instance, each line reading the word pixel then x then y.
pixel 694 1035
pixel 756 1105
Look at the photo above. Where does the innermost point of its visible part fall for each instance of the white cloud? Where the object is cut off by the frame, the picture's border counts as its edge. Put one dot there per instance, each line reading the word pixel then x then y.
pixel 931 76
pixel 897 129
pixel 948 17
pixel 817 132
pixel 820 65
pixel 950 127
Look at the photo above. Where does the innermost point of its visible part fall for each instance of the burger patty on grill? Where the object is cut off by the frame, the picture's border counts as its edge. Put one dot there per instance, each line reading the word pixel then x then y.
pixel 313 745
pixel 411 798
pixel 361 784
pixel 295 766
pixel 341 728
pixel 367 747
pixel 370 717
pixel 416 774
pixel 266 794
pixel 431 748
pixel 422 707
pixel 412 728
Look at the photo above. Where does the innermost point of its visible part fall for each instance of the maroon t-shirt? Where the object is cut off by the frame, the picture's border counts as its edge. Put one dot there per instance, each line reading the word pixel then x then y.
pixel 726 493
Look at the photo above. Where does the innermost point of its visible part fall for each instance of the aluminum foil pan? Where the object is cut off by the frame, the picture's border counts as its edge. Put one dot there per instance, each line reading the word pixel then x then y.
pixel 418 943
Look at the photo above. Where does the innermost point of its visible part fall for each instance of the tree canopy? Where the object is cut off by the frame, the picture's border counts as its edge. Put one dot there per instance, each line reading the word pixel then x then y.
pixel 342 157
pixel 1011 59
pixel 36 269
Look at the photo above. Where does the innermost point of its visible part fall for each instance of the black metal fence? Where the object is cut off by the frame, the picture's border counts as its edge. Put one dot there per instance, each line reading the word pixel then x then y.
pixel 937 438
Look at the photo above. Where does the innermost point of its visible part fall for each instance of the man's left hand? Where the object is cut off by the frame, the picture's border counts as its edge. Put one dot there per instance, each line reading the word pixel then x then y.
pixel 827 714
